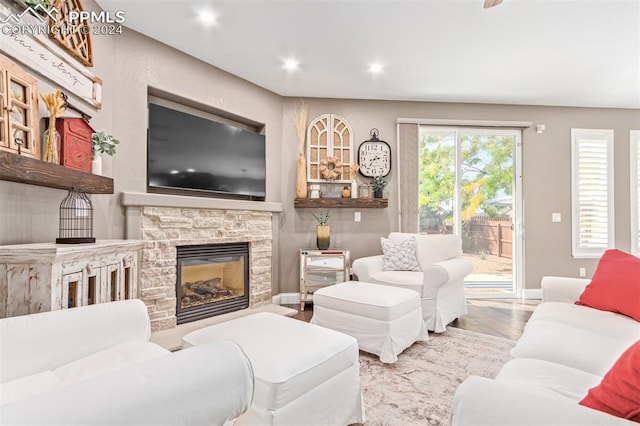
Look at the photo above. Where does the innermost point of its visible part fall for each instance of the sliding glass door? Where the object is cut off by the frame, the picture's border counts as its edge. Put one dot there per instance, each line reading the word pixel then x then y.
pixel 469 186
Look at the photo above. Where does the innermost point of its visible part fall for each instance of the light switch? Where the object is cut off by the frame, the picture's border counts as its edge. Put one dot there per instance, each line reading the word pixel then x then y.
pixel 556 217
pixel 357 217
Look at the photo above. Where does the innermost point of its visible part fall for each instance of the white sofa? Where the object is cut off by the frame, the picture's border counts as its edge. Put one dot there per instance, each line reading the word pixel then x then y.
pixel 440 281
pixel 95 365
pixel 564 351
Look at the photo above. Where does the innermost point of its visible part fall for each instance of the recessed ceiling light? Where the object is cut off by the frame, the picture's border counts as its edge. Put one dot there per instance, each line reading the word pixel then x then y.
pixel 191 170
pixel 174 172
pixel 376 68
pixel 291 64
pixel 207 17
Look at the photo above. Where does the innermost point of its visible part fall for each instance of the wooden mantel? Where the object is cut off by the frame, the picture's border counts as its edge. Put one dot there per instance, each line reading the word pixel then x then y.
pixel 18 168
pixel 359 203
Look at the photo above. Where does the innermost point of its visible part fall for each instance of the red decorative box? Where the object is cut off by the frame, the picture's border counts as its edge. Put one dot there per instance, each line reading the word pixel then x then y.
pixel 75 143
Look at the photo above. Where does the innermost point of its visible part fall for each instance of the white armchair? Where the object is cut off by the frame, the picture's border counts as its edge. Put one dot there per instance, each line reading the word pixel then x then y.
pixel 440 281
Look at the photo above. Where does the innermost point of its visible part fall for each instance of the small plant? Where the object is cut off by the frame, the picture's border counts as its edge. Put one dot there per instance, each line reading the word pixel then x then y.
pixel 322 217
pixel 103 143
pixel 483 254
pixel 34 3
pixel 378 183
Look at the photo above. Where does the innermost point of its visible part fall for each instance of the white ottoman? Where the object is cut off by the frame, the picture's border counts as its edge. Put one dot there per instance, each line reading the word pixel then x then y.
pixel 386 320
pixel 304 374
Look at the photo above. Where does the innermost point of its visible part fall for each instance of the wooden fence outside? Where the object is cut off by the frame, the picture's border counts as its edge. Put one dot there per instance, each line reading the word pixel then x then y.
pixel 489 235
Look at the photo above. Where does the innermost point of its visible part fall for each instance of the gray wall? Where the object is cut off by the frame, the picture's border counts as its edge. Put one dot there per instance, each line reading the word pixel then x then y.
pixel 130 64
pixel 546 180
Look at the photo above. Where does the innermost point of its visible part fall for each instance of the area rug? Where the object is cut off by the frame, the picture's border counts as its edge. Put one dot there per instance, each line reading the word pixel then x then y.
pixel 418 389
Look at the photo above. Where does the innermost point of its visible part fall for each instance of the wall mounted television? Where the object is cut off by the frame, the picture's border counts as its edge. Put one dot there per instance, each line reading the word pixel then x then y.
pixel 202 156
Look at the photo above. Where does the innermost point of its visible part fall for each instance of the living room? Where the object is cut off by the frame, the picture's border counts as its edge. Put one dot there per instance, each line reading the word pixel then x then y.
pixel 132 67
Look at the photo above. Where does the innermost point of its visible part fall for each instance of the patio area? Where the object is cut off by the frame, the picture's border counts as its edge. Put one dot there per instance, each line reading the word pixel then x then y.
pixel 491 274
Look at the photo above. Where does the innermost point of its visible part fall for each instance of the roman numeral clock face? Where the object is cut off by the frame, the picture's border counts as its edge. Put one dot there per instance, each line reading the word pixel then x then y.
pixel 374 158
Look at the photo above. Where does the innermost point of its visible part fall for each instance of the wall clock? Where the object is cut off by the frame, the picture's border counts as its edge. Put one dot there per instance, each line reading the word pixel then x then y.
pixel 374 156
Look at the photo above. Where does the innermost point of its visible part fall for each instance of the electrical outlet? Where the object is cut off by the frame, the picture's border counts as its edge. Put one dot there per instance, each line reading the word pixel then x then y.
pixel 556 217
pixel 357 216
pixel 583 272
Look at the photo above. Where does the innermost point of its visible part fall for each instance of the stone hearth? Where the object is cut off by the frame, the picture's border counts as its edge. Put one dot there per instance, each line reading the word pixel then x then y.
pixel 164 228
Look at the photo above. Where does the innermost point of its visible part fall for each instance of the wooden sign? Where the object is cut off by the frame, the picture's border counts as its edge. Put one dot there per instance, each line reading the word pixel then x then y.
pixel 43 56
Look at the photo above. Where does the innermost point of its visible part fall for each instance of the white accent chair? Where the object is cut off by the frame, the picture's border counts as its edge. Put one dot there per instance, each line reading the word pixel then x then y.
pixel 440 281
pixel 95 365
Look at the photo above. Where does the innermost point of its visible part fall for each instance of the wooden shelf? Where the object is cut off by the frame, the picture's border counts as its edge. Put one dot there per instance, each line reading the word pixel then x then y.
pixel 18 168
pixel 357 203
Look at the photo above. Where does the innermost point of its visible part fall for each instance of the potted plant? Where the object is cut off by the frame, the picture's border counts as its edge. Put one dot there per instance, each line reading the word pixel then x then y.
pixel 101 143
pixel 378 185
pixel 323 235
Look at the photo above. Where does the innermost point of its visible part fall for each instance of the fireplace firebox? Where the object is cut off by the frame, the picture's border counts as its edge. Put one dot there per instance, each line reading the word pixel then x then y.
pixel 213 279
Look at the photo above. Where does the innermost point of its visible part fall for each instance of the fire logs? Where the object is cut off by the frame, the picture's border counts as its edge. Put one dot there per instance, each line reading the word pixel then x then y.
pixel 203 291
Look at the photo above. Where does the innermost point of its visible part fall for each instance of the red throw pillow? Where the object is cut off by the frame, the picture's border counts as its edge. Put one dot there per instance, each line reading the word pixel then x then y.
pixel 615 285
pixel 619 392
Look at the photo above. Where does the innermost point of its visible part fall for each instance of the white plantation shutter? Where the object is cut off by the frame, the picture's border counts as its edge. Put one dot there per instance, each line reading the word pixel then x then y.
pixel 592 191
pixel 635 191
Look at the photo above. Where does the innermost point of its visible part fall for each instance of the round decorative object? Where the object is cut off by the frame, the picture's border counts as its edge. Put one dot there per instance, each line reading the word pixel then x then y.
pixel 374 156
pixel 330 168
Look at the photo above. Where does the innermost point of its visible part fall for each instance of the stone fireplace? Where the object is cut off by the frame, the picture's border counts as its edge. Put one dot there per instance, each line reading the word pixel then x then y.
pixel 167 223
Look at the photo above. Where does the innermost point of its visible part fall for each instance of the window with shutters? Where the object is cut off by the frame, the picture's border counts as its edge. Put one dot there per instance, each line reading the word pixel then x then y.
pixel 592 192
pixel 635 191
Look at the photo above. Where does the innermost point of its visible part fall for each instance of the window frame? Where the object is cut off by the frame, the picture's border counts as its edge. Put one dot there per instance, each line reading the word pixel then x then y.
pixel 606 136
pixel 634 168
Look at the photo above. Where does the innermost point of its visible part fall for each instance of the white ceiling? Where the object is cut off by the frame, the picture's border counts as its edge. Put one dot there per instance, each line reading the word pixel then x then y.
pixel 532 52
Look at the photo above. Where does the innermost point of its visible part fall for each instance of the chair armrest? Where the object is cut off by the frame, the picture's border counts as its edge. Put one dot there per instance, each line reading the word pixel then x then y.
pixel 444 272
pixel 208 384
pixel 562 289
pixel 51 339
pixel 482 401
pixel 364 267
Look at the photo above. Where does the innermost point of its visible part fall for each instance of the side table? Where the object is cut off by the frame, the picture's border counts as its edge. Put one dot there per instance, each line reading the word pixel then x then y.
pixel 322 268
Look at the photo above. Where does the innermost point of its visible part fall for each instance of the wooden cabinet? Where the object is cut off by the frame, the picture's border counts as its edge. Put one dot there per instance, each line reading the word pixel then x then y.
pixel 321 268
pixel 45 277
pixel 75 143
pixel 19 130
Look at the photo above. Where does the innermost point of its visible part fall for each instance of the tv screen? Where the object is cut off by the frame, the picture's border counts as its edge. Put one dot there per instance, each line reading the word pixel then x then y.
pixel 188 152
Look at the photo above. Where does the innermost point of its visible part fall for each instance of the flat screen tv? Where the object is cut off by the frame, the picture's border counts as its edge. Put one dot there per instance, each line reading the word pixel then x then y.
pixel 187 152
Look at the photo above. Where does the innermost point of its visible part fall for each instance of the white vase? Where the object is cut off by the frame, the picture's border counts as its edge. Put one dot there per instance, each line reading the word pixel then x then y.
pixel 354 189
pixel 96 165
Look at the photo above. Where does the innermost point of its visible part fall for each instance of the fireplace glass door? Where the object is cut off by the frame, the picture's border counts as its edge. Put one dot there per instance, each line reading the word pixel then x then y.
pixel 212 280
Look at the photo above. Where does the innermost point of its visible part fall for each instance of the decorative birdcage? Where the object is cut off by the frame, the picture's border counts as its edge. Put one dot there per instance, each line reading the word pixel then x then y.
pixel 76 219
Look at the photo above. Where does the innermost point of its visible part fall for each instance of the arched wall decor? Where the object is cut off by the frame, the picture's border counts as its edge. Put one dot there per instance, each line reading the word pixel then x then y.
pixel 329 136
pixel 77 41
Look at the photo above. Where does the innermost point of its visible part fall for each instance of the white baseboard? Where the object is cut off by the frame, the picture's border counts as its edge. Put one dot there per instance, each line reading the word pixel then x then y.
pixel 534 293
pixel 286 299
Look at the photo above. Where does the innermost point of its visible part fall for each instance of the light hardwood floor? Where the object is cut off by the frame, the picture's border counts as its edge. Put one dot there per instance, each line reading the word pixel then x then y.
pixel 497 317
